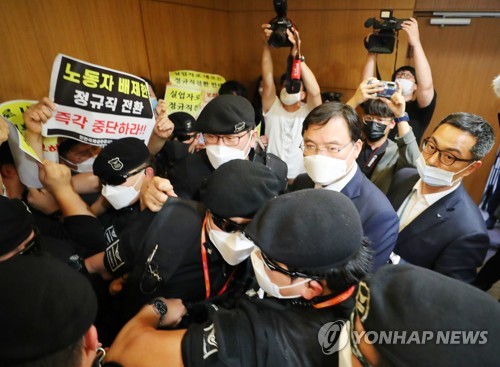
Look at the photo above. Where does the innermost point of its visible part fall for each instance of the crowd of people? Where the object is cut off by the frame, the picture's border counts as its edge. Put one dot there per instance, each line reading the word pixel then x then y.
pixel 332 238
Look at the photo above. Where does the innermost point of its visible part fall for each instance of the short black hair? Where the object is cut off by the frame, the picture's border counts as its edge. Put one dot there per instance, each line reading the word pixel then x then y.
pixel 151 84
pixel 233 87
pixel 65 146
pixel 283 79
pixel 377 108
pixel 409 68
pixel 477 127
pixel 339 279
pixel 320 116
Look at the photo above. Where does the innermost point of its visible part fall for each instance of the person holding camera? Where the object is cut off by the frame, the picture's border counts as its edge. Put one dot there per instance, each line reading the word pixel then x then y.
pixel 380 157
pixel 284 114
pixel 419 93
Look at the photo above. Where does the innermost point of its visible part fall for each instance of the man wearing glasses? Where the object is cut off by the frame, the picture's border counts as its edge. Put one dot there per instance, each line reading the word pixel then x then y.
pixel 441 228
pixel 332 142
pixel 381 157
pixel 227 124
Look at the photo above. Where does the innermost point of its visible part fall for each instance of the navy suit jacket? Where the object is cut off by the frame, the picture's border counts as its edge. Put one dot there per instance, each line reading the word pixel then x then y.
pixel 380 221
pixel 449 237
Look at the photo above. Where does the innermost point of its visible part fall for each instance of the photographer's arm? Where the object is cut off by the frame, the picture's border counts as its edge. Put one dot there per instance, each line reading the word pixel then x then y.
pixel 268 87
pixel 310 83
pixel 425 89
pixel 369 67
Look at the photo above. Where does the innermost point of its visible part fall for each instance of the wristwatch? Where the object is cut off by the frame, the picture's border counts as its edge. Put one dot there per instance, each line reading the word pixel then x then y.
pixel 160 307
pixel 405 117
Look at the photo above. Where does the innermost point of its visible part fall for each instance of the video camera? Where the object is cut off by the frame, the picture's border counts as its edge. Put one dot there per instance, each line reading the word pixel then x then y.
pixel 382 41
pixel 279 25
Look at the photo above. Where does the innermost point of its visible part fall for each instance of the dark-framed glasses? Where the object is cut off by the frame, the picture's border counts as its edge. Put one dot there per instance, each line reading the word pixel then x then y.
pixel 227 225
pixel 271 265
pixel 380 120
pixel 445 157
pixel 229 140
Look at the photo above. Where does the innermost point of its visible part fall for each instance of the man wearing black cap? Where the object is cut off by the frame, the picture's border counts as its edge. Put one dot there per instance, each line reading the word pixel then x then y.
pixel 410 316
pixel 47 314
pixel 298 260
pixel 228 128
pixel 184 141
pixel 332 142
pixel 122 167
pixel 187 250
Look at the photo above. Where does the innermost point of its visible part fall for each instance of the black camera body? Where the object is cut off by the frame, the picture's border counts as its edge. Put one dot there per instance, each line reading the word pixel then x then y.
pixel 279 25
pixel 382 40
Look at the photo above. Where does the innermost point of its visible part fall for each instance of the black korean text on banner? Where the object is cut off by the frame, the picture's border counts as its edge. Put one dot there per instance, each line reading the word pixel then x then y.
pixel 97 105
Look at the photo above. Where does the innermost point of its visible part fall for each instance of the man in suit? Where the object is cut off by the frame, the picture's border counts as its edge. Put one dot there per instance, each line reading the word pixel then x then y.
pixel 332 142
pixel 441 228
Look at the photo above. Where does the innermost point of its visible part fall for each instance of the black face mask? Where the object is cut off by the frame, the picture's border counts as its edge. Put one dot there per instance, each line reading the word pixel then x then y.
pixel 374 131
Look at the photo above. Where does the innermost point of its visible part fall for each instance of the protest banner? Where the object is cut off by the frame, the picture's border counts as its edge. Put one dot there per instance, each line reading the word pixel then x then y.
pixel 25 158
pixel 97 105
pixel 13 111
pixel 189 91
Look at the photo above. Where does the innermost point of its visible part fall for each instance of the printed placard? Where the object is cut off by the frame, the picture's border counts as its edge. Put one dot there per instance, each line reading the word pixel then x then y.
pixel 13 111
pixel 25 159
pixel 180 96
pixel 97 105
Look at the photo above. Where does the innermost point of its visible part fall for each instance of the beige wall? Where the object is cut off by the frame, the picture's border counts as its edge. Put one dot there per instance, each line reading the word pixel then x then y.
pixel 151 37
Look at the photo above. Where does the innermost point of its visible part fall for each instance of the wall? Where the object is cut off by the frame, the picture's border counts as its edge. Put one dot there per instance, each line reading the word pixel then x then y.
pixel 152 37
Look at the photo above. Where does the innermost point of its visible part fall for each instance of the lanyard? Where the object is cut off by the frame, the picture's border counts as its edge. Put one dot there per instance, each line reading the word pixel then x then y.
pixel 336 300
pixel 206 274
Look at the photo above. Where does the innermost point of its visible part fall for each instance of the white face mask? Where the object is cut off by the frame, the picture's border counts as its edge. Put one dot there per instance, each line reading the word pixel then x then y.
pixel 290 99
pixel 265 283
pixel 434 176
pixel 325 170
pixel 234 247
pixel 220 154
pixel 122 196
pixel 82 167
pixel 406 85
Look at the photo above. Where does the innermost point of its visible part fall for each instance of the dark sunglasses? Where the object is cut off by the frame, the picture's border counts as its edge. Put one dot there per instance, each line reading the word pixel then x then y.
pixel 292 274
pixel 227 225
pixel 185 137
pixel 33 245
pixel 118 180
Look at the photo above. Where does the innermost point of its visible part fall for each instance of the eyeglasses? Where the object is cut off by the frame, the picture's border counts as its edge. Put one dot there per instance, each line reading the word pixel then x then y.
pixel 151 278
pixel 271 265
pixel 404 75
pixel 227 225
pixel 330 149
pixel 381 120
pixel 446 158
pixel 33 245
pixel 229 140
pixel 118 180
pixel 354 345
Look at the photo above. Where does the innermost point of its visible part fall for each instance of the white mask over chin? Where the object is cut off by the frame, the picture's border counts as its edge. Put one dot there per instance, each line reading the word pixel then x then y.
pixel 290 99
